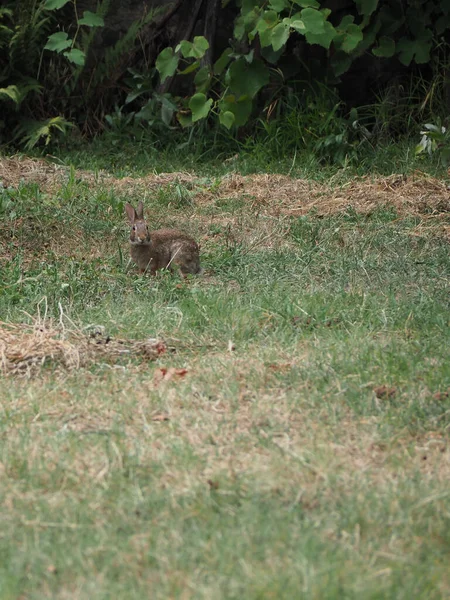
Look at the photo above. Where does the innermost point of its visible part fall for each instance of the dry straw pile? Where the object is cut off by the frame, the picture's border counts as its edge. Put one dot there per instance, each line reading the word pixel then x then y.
pixel 26 349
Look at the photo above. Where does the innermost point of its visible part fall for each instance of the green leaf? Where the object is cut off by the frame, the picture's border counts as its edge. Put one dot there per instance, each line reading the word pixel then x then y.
pixel 280 35
pixel 298 25
pixel 247 79
pixel 346 21
pixel 91 19
pixel 251 19
pixel 18 93
pixel 75 56
pixel 195 49
pixel 11 92
pixel 419 50
pixel 200 106
pixel 222 62
pixel 269 54
pixel 278 5
pixel 185 46
pixel 390 20
pixel 185 119
pixel 31 132
pixel 340 63
pixel 323 39
pixel 314 21
pixel 239 28
pixel 241 109
pixel 268 19
pixel 190 68
pixel 352 37
pixel 366 7
pixel 167 113
pixel 386 47
pixel 202 79
pixel 307 3
pixel 166 63
pixel 265 38
pixel 58 42
pixel 227 118
pixel 55 4
pixel 200 44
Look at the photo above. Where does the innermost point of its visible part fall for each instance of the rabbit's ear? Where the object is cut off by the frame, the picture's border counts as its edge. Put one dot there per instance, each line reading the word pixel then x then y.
pixel 140 210
pixel 132 216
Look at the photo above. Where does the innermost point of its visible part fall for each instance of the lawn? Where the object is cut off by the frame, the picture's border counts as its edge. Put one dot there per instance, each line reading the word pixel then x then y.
pixel 290 440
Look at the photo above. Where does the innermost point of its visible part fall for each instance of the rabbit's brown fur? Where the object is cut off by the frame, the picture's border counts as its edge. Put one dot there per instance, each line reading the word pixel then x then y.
pixel 160 249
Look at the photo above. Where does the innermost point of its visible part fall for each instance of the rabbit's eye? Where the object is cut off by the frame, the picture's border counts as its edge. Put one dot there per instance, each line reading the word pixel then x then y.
pixel 134 227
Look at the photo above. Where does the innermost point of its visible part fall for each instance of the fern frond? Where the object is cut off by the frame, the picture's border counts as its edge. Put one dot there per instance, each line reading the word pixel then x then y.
pixel 18 93
pixel 30 133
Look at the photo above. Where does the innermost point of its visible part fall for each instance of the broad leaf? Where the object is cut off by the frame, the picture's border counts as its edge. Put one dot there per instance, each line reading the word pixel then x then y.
pixel 190 68
pixel 239 28
pixel 352 37
pixel 195 49
pixel 227 118
pixel 251 20
pixel 314 21
pixel 340 63
pixel 280 35
pixel 265 38
pixel 222 62
pixel 279 5
pixel 298 25
pixel 419 50
pixel 91 19
pixel 75 56
pixel 166 63
pixel 184 118
pixel 58 42
pixel 202 79
pixel 268 19
pixel 307 3
pixel 390 20
pixel 322 39
pixel 269 54
pixel 241 108
pixel 55 4
pixel 386 47
pixel 200 106
pixel 247 79
pixel 167 113
pixel 366 7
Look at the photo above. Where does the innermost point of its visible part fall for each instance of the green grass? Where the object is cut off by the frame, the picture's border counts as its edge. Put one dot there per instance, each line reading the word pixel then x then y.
pixel 281 150
pixel 272 469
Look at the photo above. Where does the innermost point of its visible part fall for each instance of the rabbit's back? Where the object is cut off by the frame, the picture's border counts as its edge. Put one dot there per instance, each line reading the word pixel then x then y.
pixel 174 247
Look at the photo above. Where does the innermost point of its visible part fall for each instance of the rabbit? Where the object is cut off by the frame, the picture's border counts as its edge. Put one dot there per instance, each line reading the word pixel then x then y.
pixel 161 249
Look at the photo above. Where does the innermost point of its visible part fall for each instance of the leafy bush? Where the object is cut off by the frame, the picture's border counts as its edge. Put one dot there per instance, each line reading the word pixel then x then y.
pixel 51 79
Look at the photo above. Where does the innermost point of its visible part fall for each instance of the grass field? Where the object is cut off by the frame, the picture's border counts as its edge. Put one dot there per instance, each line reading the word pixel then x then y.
pixel 294 441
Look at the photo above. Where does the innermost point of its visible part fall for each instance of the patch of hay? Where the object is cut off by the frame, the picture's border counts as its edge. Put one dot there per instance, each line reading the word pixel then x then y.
pixel 274 194
pixel 20 169
pixel 26 349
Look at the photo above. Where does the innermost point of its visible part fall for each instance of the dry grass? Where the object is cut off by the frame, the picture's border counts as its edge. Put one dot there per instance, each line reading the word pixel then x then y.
pixel 273 194
pixel 25 349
